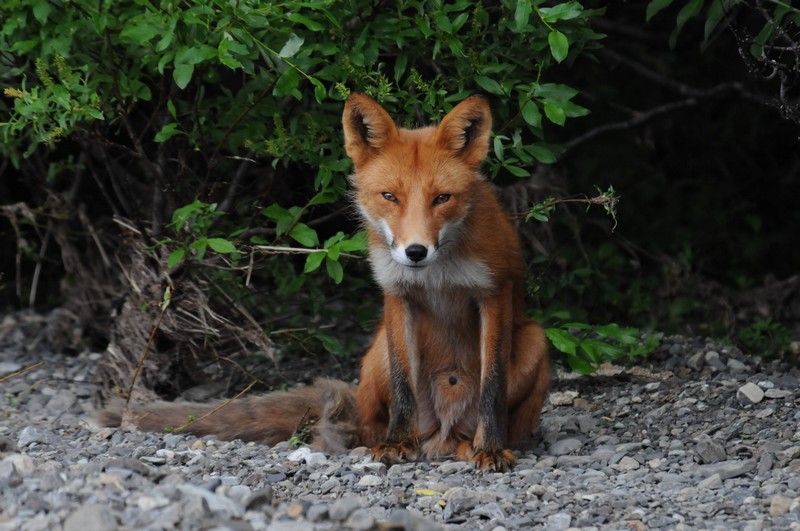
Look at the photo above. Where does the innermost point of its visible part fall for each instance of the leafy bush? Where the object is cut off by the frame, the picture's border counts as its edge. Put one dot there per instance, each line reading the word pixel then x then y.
pixel 213 126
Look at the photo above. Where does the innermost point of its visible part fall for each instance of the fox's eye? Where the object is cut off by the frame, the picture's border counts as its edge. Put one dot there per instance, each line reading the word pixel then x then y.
pixel 441 198
pixel 389 196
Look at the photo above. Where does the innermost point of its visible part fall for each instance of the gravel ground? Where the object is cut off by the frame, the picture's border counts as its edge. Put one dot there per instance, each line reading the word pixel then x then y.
pixel 700 436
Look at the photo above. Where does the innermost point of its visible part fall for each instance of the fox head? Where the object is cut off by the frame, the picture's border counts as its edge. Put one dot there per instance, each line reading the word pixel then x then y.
pixel 414 188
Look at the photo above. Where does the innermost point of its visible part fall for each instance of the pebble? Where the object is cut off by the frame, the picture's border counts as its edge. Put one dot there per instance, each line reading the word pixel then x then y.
pixel 565 446
pixel 727 469
pixel 343 507
pixel 683 452
pixel 565 398
pixel 35 434
pixel 777 393
pixel 780 505
pixel 750 393
pixel 558 522
pixel 709 450
pixel 90 516
pixel 713 481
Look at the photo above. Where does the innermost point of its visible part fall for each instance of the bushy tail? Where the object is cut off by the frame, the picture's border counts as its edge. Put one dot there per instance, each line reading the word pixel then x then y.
pixel 325 414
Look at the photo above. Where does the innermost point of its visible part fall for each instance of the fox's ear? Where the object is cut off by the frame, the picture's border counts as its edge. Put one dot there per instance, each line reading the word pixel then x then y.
pixel 367 128
pixel 465 130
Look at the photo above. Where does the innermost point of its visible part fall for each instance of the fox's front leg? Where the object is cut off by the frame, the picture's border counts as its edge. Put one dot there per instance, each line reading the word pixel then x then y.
pixel 401 439
pixel 489 445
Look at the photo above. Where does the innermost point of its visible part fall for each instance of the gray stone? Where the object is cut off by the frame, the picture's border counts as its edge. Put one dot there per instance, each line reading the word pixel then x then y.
pixel 373 467
pixel 709 450
pixel 750 393
pixel 218 505
pixel 779 505
pixel 558 522
pixel 360 519
pixel 60 402
pixel 90 516
pixel 317 512
pixel 626 464
pixel 35 434
pixel 404 519
pixel 316 459
pixel 727 469
pixel 19 463
pixel 343 507
pixel 711 482
pixel 777 393
pixel 469 498
pixel 490 511
pixel 697 361
pixel 370 480
pixel 713 361
pixel 565 446
pixel 736 365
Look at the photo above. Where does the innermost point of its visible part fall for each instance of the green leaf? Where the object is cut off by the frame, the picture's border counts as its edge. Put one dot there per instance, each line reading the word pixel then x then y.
pixel 304 235
pixel 531 114
pixel 715 13
pixel 139 32
pixel 499 149
pixel 313 261
pixel 192 55
pixel 542 153
pixel 335 270
pixel 171 109
pixel 167 132
pixel 276 212
pixel 357 243
pixel 200 245
pixel 554 91
pixel 580 365
pixel 182 75
pixel 221 245
pixel 286 83
pixel 313 25
pixel 522 13
pixel 292 46
pixel 400 66
pixel 176 256
pixel 655 6
pixel 690 10
pixel 554 113
pixel 565 11
pixel 563 341
pixel 319 89
pixel 41 10
pixel 489 85
pixel 516 171
pixel 559 45
pixel 330 343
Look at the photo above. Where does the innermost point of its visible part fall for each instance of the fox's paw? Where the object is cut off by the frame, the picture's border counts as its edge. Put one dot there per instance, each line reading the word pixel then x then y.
pixel 393 453
pixel 493 460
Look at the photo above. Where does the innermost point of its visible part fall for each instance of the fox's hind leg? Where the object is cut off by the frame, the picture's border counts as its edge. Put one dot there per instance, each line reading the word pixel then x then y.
pixel 528 380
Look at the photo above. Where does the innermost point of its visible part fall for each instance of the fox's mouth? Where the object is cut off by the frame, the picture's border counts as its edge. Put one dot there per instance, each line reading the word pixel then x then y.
pixel 415 266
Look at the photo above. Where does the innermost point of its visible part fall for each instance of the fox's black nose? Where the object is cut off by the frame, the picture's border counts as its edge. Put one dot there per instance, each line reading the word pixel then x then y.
pixel 416 252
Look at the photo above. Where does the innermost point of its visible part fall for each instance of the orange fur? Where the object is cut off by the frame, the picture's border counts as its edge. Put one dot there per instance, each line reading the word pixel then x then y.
pixel 455 368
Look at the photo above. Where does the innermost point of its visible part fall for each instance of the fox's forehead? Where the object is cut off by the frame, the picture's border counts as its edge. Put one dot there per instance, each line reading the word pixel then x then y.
pixel 415 163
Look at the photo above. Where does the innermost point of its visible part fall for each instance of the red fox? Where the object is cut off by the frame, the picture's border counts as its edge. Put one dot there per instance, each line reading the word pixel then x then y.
pixel 455 368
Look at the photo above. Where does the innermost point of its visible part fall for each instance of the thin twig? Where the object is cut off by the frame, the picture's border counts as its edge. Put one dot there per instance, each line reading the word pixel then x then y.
pixel 276 249
pixel 143 357
pixel 21 371
pixel 38 269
